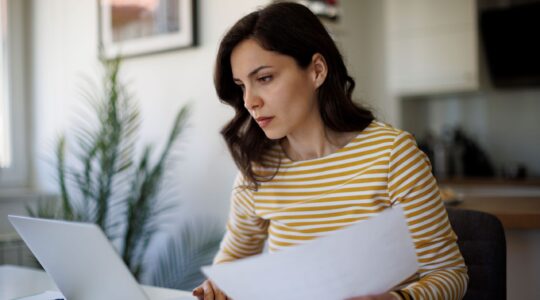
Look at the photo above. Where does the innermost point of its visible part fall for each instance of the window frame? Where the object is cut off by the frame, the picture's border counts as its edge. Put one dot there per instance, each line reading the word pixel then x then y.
pixel 16 176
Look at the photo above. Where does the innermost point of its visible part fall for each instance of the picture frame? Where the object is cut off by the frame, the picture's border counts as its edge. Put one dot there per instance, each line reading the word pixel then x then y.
pixel 130 28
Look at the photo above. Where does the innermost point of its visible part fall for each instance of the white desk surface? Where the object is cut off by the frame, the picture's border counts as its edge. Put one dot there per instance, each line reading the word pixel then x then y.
pixel 16 281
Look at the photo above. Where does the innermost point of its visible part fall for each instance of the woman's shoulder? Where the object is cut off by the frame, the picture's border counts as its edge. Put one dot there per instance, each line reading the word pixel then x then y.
pixel 377 129
pixel 383 136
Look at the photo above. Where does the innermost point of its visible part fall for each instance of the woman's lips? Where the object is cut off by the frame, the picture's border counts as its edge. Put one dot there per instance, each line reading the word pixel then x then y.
pixel 264 121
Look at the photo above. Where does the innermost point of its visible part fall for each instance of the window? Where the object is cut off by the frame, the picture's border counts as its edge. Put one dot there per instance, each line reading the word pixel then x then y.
pixel 5 147
pixel 14 134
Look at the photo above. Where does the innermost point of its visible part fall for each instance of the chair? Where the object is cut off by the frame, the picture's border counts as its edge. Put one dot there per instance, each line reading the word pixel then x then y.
pixel 482 243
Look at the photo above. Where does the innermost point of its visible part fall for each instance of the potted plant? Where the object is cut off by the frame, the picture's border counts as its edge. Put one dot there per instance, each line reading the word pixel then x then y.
pixel 103 182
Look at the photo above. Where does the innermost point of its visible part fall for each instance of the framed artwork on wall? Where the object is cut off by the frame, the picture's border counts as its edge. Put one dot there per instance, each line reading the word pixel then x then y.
pixel 326 10
pixel 139 27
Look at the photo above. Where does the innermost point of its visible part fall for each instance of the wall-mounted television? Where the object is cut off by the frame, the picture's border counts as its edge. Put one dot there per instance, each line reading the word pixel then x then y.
pixel 511 40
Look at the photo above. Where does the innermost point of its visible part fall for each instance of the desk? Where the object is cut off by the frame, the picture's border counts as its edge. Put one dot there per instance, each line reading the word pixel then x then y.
pixel 18 282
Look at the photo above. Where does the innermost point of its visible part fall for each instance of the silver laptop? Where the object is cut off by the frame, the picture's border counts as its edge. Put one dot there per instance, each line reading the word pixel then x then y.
pixel 79 258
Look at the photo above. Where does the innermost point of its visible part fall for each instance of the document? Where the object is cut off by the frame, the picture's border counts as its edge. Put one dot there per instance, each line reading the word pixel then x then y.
pixel 366 258
pixel 47 295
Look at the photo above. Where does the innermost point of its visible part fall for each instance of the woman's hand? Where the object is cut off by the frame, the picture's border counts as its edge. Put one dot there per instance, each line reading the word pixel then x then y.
pixel 385 296
pixel 209 291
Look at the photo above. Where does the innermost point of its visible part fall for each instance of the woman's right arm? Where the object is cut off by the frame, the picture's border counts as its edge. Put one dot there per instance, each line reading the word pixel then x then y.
pixel 245 235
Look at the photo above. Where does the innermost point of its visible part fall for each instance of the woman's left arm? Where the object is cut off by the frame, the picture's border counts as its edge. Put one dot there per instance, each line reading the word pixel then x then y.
pixel 442 272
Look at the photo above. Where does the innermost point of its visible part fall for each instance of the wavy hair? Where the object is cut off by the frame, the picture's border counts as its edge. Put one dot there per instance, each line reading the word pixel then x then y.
pixel 289 29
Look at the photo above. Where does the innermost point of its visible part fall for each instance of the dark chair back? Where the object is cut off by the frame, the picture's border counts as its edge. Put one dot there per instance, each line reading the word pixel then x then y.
pixel 482 243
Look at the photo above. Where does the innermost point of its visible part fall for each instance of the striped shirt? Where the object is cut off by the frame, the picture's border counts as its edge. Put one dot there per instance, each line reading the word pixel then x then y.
pixel 307 199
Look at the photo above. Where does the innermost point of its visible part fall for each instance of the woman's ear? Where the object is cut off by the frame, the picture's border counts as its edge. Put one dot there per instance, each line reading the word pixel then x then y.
pixel 320 69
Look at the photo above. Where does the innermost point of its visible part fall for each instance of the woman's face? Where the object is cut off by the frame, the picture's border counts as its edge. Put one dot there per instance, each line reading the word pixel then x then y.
pixel 278 94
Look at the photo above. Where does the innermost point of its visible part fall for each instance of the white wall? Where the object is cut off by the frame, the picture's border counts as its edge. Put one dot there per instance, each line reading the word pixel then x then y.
pixel 360 36
pixel 64 43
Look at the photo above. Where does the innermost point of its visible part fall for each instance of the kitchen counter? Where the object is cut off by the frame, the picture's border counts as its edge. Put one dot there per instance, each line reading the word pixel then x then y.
pixel 490 182
pixel 515 203
pixel 514 212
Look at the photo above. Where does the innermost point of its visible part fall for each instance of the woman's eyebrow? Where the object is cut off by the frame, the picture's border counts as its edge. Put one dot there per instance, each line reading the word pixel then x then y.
pixel 252 73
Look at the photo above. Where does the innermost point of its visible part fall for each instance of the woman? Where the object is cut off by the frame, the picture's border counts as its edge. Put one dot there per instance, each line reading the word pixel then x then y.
pixel 311 161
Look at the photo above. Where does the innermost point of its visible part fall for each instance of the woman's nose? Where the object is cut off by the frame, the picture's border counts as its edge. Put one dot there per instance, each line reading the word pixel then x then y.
pixel 252 100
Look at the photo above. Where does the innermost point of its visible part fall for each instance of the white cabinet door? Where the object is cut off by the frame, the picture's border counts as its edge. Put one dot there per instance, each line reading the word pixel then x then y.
pixel 432 46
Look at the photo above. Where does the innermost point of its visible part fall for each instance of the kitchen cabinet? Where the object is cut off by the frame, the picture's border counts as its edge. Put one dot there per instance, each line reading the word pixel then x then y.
pixel 431 46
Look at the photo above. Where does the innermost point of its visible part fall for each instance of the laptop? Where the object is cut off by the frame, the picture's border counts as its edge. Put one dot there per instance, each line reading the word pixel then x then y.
pixel 80 259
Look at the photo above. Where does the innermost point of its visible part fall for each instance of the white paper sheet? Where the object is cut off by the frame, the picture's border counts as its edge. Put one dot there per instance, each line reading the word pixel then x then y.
pixel 47 295
pixel 366 258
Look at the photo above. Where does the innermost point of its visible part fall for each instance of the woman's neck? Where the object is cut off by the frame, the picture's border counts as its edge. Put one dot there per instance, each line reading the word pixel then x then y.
pixel 315 143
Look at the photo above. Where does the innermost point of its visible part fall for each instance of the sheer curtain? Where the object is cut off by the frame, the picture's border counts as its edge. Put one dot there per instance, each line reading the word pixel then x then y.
pixel 5 155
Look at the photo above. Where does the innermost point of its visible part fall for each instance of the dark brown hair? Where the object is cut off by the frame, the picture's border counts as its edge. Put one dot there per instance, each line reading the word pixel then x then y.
pixel 290 29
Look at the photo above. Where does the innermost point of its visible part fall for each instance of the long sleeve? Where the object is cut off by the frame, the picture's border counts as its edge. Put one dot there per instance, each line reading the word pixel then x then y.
pixel 246 232
pixel 442 272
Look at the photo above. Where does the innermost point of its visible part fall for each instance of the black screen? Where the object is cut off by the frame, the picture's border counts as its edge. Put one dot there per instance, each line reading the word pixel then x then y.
pixel 511 38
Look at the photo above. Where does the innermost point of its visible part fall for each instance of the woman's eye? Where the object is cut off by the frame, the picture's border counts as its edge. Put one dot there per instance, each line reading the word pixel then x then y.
pixel 265 78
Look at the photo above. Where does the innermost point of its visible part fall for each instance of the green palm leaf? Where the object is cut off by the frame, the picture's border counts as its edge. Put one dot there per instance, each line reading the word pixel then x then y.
pixel 179 264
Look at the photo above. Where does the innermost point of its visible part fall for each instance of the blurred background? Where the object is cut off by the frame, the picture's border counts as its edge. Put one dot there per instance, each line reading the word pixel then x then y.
pixel 463 76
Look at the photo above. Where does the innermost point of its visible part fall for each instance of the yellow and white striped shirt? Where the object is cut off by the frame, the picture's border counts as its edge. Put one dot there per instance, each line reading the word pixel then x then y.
pixel 381 167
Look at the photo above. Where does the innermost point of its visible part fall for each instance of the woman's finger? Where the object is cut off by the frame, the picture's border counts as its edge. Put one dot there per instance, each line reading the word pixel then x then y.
pixel 219 295
pixel 198 292
pixel 208 291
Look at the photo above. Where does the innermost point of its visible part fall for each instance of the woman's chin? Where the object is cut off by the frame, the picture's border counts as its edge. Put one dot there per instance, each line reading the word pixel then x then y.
pixel 273 135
